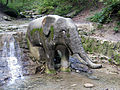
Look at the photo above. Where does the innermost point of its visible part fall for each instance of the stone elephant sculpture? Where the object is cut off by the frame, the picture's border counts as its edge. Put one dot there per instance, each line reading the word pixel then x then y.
pixel 52 36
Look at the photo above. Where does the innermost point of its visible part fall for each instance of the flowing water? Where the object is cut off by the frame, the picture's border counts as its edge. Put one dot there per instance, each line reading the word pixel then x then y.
pixel 11 53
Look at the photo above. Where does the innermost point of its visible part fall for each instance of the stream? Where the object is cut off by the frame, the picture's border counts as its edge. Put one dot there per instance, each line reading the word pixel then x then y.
pixel 106 78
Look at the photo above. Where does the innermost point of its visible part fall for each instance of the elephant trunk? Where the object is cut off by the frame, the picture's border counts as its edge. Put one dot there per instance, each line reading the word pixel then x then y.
pixel 78 50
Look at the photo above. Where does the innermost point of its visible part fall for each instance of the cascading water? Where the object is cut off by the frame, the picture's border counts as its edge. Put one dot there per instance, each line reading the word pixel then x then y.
pixel 12 54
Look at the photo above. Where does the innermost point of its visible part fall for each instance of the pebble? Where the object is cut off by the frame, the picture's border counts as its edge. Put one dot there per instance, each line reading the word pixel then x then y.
pixel 73 85
pixel 118 68
pixel 58 80
pixel 88 85
pixel 93 77
pixel 104 61
pixel 77 71
pixel 6 18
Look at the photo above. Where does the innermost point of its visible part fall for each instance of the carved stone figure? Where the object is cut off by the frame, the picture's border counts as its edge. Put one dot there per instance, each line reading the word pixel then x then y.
pixel 54 38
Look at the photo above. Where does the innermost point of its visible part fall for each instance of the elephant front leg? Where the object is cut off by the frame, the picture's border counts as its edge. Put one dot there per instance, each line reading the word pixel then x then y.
pixel 49 68
pixel 49 62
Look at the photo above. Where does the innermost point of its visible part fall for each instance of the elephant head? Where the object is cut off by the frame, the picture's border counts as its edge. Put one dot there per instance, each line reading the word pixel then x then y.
pixel 55 33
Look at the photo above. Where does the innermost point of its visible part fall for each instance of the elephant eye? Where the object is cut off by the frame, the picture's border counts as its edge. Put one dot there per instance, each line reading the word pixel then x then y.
pixel 63 31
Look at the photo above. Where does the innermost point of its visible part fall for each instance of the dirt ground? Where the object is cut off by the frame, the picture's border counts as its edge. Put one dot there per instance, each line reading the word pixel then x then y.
pixel 68 81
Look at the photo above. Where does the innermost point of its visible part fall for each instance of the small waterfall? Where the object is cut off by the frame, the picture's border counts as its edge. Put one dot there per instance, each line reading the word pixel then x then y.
pixel 12 54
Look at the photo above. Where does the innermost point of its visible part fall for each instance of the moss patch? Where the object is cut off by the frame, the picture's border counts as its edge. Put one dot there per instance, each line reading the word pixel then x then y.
pixel 48 71
pixel 65 69
pixel 40 30
pixel 52 32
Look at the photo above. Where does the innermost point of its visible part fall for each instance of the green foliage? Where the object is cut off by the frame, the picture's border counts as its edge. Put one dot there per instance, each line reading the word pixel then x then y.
pixel 18 4
pixel 117 58
pixel 63 9
pixel 118 23
pixel 40 30
pixel 68 35
pixel 99 26
pixel 109 2
pixel 105 16
pixel 59 7
pixel 46 6
pixel 116 29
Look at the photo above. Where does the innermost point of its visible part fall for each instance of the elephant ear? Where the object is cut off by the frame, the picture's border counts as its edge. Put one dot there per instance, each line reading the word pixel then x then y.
pixel 46 24
pixel 61 24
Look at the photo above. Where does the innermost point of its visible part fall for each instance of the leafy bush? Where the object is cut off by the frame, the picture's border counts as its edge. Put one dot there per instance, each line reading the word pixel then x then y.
pixel 105 16
pixel 63 9
pixel 57 7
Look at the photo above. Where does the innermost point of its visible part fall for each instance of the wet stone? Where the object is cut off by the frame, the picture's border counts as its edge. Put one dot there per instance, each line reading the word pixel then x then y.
pixel 73 85
pixel 88 85
pixel 93 77
pixel 3 63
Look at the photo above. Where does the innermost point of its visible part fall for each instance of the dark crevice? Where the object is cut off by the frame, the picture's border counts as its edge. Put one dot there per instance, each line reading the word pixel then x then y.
pixel 57 61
